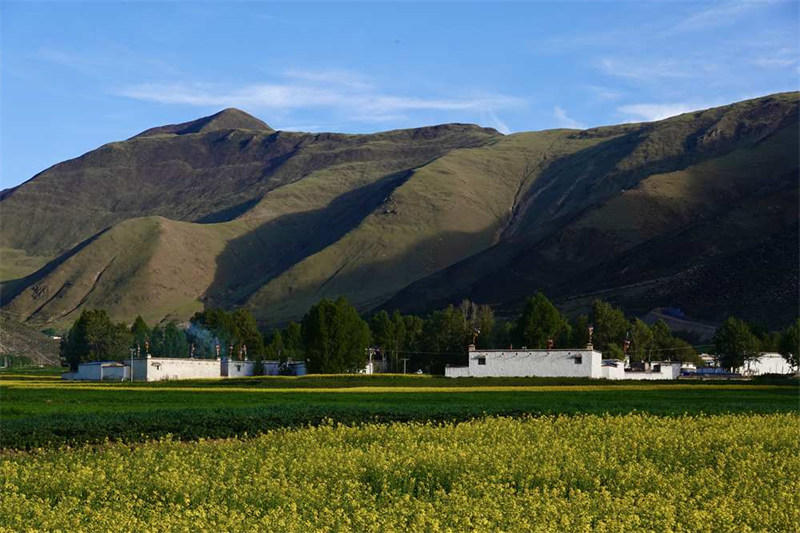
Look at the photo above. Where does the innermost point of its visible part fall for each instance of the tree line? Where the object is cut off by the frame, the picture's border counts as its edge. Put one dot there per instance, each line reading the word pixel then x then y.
pixel 333 338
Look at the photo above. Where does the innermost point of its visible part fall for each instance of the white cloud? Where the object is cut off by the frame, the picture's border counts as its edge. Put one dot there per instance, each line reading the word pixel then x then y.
pixel 651 112
pixel 335 90
pixel 719 14
pixel 646 70
pixel 565 121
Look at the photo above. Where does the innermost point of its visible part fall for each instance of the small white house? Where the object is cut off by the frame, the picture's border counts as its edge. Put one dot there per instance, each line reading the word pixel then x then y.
pixel 657 370
pixel 237 369
pixel 99 371
pixel 524 363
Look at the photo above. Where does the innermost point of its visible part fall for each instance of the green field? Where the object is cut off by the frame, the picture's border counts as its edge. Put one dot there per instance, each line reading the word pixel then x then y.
pixel 397 453
pixel 38 409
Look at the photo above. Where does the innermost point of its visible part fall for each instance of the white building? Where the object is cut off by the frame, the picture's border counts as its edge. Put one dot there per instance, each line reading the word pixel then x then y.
pixel 151 368
pixel 586 363
pixel 522 363
pixel 237 369
pixel 767 363
pixel 99 371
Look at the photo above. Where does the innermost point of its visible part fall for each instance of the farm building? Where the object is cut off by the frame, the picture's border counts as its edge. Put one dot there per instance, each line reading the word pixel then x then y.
pixel 99 371
pixel 586 363
pixel 151 368
pixel 543 363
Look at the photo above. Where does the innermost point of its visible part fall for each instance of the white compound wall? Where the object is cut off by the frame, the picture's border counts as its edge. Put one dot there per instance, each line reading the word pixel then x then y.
pixel 521 363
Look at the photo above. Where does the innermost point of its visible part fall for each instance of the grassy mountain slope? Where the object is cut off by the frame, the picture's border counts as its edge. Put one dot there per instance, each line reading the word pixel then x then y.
pixel 645 214
pixel 716 198
pixel 211 175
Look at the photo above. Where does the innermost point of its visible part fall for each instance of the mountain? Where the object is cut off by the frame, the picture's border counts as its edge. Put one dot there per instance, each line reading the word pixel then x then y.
pixel 699 211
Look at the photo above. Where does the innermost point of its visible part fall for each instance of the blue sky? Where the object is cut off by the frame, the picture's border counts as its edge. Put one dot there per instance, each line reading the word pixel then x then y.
pixel 75 75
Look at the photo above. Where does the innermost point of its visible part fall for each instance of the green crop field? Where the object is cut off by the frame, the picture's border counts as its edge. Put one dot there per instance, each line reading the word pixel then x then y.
pixel 397 453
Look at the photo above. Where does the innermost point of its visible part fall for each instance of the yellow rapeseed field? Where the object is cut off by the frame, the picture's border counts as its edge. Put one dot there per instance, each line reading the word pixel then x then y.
pixel 580 473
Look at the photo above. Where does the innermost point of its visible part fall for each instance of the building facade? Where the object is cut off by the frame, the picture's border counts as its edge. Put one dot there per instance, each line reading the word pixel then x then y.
pixel 528 363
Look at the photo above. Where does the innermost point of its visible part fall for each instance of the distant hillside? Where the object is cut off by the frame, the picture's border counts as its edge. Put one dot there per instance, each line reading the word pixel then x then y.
pixel 698 211
pixel 21 342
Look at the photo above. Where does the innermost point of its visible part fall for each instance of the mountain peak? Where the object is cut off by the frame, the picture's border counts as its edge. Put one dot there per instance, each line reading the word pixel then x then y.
pixel 227 119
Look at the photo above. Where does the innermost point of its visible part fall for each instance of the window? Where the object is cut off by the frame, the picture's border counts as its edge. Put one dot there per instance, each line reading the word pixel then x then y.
pixel 481 360
pixel 578 359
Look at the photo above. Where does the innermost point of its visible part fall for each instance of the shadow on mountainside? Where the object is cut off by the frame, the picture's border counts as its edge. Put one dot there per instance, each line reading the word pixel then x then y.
pixel 264 252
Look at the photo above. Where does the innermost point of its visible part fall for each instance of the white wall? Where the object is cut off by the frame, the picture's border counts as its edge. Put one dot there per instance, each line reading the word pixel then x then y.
pixel 97 370
pixel 543 363
pixel 162 368
pixel 666 371
pixel 237 369
pixel 614 371
pixel 456 372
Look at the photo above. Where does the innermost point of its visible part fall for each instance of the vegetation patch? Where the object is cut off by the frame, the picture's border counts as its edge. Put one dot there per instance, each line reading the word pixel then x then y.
pixel 551 473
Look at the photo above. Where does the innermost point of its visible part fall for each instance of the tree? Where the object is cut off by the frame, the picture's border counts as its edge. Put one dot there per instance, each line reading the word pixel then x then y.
pixel 790 344
pixel 412 328
pixel 610 325
pixel 175 343
pixel 502 334
pixel 485 324
pixel 446 333
pixel 293 342
pixel 335 337
pixel 580 332
pixel 246 333
pixel 382 329
pixel 539 322
pixel 613 351
pixel 735 344
pixel 275 350
pixel 158 343
pixel 140 331
pixel 94 337
pixel 641 341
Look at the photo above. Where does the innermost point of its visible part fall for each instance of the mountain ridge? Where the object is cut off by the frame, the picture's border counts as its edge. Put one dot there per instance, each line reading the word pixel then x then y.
pixel 413 219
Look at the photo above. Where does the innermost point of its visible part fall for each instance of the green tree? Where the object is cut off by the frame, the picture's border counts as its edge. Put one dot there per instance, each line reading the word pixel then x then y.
pixel 668 347
pixel 413 330
pixel 613 351
pixel 580 332
pixel 293 342
pixel 610 325
pixel 158 343
pixel 94 337
pixel 790 344
pixel 382 330
pixel 140 331
pixel 641 341
pixel 735 344
pixel 275 350
pixel 175 343
pixel 502 334
pixel 335 337
pixel 540 320
pixel 445 332
pixel 246 333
